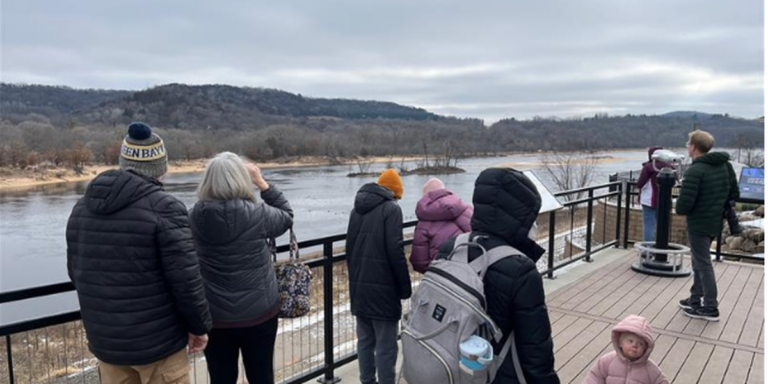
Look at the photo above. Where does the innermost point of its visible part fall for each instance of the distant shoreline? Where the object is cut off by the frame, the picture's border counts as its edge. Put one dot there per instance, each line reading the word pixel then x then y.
pixel 20 179
pixel 12 179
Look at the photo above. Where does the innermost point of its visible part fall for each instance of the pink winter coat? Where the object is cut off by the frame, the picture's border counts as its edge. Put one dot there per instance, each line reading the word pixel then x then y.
pixel 614 368
pixel 441 215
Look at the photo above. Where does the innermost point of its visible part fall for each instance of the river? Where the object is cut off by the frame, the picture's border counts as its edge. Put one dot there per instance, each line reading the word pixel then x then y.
pixel 33 222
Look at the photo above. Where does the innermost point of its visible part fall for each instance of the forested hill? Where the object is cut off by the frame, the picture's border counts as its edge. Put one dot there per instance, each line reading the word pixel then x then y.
pixel 39 123
pixel 201 106
pixel 630 131
pixel 22 99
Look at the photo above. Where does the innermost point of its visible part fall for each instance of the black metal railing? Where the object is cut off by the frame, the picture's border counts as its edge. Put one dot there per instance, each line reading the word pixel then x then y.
pixel 33 348
pixel 631 194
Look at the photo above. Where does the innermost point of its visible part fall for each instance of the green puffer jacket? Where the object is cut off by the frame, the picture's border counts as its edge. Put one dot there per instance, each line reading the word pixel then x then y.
pixel 707 184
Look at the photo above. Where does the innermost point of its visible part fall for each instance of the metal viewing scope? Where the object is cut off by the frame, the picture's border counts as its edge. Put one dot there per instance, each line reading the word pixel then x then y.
pixel 666 156
pixel 660 257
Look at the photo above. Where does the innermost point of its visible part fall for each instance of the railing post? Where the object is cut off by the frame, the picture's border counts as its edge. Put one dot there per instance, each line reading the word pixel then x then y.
pixel 618 216
pixel 328 377
pixel 10 358
pixel 628 190
pixel 588 248
pixel 551 251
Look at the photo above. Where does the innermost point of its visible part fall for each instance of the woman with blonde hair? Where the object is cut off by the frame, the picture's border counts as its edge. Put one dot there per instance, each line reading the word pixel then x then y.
pixel 231 232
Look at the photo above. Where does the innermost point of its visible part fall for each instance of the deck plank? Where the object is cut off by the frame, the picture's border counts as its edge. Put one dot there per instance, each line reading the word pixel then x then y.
pixel 573 331
pixel 727 298
pixel 618 308
pixel 687 350
pixel 605 283
pixel 638 306
pixel 738 316
pixel 562 324
pixel 555 316
pixel 756 374
pixel 694 366
pixel 618 295
pixel 579 379
pixel 589 352
pixel 568 350
pixel 597 292
pixel 670 317
pixel 738 368
pixel 564 294
pixel 716 366
pixel 675 358
pixel 751 333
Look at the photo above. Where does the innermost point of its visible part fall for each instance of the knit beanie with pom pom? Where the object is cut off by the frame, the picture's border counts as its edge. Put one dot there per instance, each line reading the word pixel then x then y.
pixel 143 151
pixel 391 180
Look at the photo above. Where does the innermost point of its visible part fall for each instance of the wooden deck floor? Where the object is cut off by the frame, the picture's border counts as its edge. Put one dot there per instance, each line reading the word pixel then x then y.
pixel 687 350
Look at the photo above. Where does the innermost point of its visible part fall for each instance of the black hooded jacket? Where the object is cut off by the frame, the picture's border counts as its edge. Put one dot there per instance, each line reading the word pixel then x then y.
pixel 235 259
pixel 131 258
pixel 506 206
pixel 378 271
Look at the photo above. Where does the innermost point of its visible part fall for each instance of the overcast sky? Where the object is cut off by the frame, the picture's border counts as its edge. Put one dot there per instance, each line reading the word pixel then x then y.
pixel 490 60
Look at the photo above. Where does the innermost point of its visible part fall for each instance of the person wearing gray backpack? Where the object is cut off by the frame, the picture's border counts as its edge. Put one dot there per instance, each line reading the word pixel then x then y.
pixel 506 207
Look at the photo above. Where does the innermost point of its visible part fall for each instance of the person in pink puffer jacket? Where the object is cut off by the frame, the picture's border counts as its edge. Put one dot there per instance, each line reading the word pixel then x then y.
pixel 629 362
pixel 442 215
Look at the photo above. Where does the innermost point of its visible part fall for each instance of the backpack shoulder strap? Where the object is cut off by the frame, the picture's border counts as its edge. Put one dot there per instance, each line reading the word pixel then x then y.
pixel 482 263
pixel 509 345
pixel 460 251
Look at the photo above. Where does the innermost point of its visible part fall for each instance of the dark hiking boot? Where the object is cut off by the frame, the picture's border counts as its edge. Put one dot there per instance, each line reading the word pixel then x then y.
pixel 688 304
pixel 704 313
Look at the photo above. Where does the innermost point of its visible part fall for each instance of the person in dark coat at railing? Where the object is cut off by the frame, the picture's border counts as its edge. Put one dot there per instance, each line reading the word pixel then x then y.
pixel 378 275
pixel 231 231
pixel 506 207
pixel 132 260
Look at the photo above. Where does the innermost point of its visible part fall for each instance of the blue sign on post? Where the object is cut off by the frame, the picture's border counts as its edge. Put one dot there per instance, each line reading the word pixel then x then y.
pixel 752 184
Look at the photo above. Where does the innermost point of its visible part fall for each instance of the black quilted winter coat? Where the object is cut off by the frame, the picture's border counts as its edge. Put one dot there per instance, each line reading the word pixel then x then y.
pixel 506 206
pixel 235 259
pixel 378 271
pixel 131 258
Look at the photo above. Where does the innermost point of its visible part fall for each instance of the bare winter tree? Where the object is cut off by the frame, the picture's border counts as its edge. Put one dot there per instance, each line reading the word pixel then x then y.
pixel 569 170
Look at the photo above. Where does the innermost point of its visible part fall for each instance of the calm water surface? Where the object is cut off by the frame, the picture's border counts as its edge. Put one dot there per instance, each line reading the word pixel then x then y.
pixel 33 222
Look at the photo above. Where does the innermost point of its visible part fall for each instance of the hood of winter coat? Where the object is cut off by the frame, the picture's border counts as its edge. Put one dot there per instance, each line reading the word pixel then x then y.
pixel 714 158
pixel 440 205
pixel 370 196
pixel 113 190
pixel 506 205
pixel 640 327
pixel 221 221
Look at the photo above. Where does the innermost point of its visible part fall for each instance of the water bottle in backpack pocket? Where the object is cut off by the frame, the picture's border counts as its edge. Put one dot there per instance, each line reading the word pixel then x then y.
pixel 447 333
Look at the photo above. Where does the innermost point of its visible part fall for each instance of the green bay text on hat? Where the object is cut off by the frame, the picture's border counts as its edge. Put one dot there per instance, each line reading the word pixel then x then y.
pixel 143 151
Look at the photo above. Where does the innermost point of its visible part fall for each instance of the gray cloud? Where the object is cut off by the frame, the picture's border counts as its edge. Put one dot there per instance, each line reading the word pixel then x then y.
pixel 490 60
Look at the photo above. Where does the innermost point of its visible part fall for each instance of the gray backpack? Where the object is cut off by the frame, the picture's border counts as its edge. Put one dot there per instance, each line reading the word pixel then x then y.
pixel 447 308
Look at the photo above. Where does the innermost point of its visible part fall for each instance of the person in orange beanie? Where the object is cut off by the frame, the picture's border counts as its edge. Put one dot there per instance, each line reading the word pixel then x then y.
pixel 391 180
pixel 378 275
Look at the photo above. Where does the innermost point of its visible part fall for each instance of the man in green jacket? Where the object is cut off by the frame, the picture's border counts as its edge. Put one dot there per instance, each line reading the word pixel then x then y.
pixel 707 184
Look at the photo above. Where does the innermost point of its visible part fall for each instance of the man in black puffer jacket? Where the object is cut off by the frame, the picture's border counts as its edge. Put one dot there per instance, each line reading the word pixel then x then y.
pixel 378 275
pixel 132 260
pixel 506 206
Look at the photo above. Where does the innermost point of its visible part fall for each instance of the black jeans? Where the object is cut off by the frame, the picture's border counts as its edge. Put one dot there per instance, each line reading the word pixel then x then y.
pixel 257 344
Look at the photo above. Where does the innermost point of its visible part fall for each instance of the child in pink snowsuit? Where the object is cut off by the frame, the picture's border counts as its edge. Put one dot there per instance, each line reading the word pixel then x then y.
pixel 629 362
